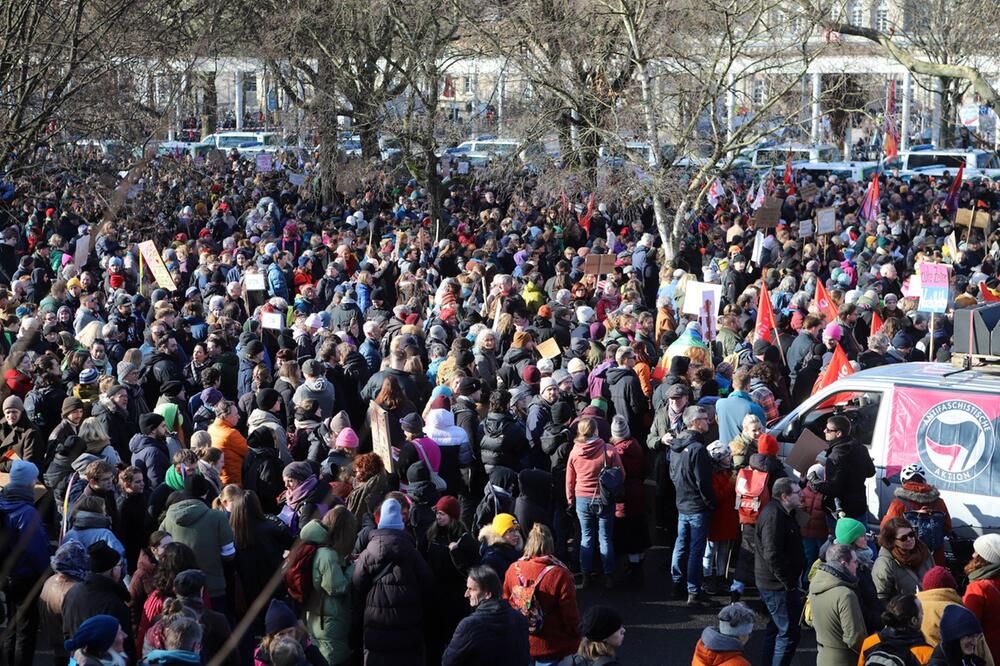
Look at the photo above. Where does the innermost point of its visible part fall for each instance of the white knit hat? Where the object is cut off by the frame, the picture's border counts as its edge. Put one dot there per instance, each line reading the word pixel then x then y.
pixel 988 547
pixel 736 620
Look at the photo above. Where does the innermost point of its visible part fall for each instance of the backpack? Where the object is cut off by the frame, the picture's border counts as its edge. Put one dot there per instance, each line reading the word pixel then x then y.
pixel 929 525
pixel 752 494
pixel 522 598
pixel 298 577
pixel 611 482
pixel 883 654
pixel 597 383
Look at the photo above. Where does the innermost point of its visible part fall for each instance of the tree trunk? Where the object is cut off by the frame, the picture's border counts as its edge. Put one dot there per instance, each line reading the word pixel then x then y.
pixel 327 126
pixel 210 104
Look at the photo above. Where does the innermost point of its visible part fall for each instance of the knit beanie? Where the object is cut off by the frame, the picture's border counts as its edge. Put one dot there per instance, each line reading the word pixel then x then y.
pixel 450 506
pixel 390 515
pixel 149 422
pixel 957 622
pixel 600 623
pixel 211 396
pixel 347 439
pixel 102 557
pixel 13 402
pixel 339 421
pixel 619 428
pixel 988 547
pixel 279 616
pixel 767 445
pixel 300 471
pixel 938 578
pixel 848 530
pixel 736 620
pixel 70 405
pixel 23 473
pixel 97 633
pixel 267 398
pixel 189 583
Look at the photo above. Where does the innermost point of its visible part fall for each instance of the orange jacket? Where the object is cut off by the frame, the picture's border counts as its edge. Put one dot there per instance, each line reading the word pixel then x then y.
pixel 234 450
pixel 921 652
pixel 982 597
pixel 705 657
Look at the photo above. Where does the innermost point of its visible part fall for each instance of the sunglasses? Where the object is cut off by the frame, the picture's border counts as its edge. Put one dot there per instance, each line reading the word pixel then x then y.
pixel 909 536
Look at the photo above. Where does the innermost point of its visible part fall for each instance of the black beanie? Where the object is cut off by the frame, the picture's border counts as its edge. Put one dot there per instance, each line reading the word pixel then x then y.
pixel 600 622
pixel 267 398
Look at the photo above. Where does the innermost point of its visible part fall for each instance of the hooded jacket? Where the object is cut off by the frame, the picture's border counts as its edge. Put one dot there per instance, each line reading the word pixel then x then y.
pixel 498 496
pixel 261 419
pixel 534 503
pixel 495 552
pixel 914 496
pixel 328 611
pixel 716 649
pixel 848 464
pixel 90 527
pixel 151 456
pixel 836 615
pixel 627 397
pixel 116 424
pixel 207 532
pixel 452 441
pixel 586 461
pixel 691 473
pixel 18 506
pixel 320 390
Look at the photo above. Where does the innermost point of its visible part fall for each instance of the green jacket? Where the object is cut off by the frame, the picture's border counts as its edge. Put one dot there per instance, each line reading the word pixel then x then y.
pixel 836 617
pixel 892 578
pixel 207 532
pixel 328 612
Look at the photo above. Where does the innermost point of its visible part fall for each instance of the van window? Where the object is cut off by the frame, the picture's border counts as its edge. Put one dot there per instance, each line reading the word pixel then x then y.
pixel 859 406
pixel 919 160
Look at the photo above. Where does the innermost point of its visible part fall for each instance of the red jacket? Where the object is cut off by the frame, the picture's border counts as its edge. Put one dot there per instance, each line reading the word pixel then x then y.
pixel 982 597
pixel 585 463
pixel 556 594
pixel 725 522
pixel 915 496
pixel 634 462
pixel 812 504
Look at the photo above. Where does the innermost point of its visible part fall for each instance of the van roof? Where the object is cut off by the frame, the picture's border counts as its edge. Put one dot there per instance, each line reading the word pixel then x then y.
pixel 930 375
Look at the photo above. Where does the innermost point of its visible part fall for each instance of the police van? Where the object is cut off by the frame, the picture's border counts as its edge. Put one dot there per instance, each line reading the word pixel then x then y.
pixel 944 417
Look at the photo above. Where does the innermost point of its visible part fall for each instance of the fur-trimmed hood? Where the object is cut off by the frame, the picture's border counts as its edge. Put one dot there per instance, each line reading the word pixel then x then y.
pixel 918 493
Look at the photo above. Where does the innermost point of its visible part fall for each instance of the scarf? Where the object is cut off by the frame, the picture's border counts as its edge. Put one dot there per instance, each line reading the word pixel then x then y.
pixel 297 496
pixel 988 572
pixel 912 559
pixel 175 478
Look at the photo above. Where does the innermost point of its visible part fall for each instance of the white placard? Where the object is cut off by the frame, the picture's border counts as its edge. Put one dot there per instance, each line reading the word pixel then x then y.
pixel 254 282
pixel 264 163
pixel 826 220
pixel 272 320
pixel 758 248
pixel 695 295
pixel 805 228
pixel 463 167
pixel 297 179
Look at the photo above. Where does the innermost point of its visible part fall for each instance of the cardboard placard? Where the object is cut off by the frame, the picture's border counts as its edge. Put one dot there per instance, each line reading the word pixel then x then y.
pixel 806 229
pixel 272 320
pixel 808 190
pixel 254 282
pixel 381 439
pixel 598 264
pixel 549 348
pixel 964 218
pixel 768 215
pixel 826 221
pixel 804 451
pixel 156 266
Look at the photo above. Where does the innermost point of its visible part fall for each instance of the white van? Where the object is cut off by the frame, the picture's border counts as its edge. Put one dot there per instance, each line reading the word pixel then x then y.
pixel 246 143
pixel 777 154
pixel 927 161
pixel 943 417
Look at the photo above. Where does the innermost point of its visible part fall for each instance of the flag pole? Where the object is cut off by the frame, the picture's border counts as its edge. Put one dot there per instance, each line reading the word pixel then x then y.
pixel 930 353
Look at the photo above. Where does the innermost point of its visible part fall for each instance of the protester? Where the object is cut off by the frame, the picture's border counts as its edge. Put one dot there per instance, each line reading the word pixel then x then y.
pixel 603 632
pixel 494 633
pixel 960 635
pixel 836 610
pixel 902 560
pixel 903 617
pixel 725 644
pixel 981 596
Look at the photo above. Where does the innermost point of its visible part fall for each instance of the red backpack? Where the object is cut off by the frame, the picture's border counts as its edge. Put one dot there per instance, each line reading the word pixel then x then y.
pixel 752 494
pixel 298 576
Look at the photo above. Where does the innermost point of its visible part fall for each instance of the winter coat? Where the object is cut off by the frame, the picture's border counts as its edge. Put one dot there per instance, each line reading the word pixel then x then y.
pixel 847 466
pixel 812 504
pixel 257 562
pixel 141 584
pixel 23 440
pixel 628 398
pixel 116 423
pixel 555 594
pixel 320 390
pixel 779 558
pixel 836 617
pixel 730 412
pixel 261 473
pixel 725 522
pixel 504 442
pixel 892 578
pixel 494 635
pixel 933 603
pixel 89 528
pixel 395 583
pixel 234 448
pixel 18 508
pixel 716 649
pixel 534 503
pixel 453 444
pixel 913 496
pixel 495 552
pixel 634 463
pixel 207 532
pixel 691 473
pixel 98 595
pixel 158 369
pixel 260 419
pixel 152 457
pixel 982 597
pixel 498 496
pixel 586 461
pixel 328 611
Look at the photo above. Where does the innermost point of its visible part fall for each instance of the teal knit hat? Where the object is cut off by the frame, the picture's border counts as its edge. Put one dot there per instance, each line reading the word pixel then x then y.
pixel 848 530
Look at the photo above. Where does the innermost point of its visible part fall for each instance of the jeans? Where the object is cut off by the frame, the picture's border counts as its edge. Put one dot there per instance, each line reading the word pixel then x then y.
pixel 604 525
pixel 689 549
pixel 716 561
pixel 781 637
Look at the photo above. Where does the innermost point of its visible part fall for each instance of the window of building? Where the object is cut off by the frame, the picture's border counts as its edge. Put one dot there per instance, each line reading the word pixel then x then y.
pixel 855 13
pixel 469 85
pixel 759 90
pixel 882 17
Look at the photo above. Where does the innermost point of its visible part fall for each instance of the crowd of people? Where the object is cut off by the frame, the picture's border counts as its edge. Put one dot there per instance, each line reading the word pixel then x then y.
pixel 381 438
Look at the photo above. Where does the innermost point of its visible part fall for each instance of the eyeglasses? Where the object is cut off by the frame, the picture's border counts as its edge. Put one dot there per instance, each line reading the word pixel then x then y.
pixel 830 430
pixel 909 536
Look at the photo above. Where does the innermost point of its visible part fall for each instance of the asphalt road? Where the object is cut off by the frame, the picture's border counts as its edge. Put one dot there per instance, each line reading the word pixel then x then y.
pixel 662 630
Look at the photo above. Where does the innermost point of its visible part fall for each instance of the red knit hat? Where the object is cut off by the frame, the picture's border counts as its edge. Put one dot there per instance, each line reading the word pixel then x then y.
pixel 531 375
pixel 450 506
pixel 767 445
pixel 939 578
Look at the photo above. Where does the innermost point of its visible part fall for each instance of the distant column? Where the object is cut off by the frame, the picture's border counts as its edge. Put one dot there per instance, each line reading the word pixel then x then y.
pixel 936 113
pixel 817 92
pixel 240 100
pixel 904 131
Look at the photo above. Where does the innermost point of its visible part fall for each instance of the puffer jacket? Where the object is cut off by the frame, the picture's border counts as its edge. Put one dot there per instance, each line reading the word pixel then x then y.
pixel 151 456
pixel 715 649
pixel 836 616
pixel 395 583
pixel 89 528
pixel 328 611
pixel 691 473
pixel 913 496
pixel 494 635
pixel 452 441
pixel 18 505
pixel 504 441
pixel 498 496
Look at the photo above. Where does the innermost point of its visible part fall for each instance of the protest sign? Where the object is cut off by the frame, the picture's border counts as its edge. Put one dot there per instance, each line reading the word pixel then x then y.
pixel 265 163
pixel 549 348
pixel 598 264
pixel 806 229
pixel 695 295
pixel 156 266
pixel 272 320
pixel 826 221
pixel 967 217
pixel 254 282
pixel 933 287
pixel 768 215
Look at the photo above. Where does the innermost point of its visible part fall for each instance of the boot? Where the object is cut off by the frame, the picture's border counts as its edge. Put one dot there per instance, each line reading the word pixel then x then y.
pixel 588 582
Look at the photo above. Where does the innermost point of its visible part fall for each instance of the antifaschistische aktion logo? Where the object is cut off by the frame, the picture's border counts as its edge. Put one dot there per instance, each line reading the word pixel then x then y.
pixel 955 441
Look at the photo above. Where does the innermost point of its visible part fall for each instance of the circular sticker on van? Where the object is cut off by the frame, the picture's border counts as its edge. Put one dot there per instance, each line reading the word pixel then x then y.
pixel 955 441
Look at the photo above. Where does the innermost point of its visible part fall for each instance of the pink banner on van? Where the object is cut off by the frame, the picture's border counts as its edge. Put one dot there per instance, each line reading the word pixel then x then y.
pixel 953 435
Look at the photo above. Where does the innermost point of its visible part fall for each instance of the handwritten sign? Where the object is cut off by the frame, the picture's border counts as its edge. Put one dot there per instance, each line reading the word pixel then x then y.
pixel 254 282
pixel 806 229
pixel 272 320
pixel 598 264
pixel 265 163
pixel 826 221
pixel 933 287
pixel 768 215
pixel 808 191
pixel 697 293
pixel 296 179
pixel 156 266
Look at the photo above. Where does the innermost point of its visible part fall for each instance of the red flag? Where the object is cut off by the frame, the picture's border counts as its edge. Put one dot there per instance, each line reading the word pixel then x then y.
pixel 824 303
pixel 951 203
pixel 789 181
pixel 766 322
pixel 891 131
pixel 876 323
pixel 585 220
pixel 839 368
pixel 988 294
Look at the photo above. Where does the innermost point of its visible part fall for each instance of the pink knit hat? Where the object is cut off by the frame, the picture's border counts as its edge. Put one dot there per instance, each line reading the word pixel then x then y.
pixel 833 331
pixel 347 439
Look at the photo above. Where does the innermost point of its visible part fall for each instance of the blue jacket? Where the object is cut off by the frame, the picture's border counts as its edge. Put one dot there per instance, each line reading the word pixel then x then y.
pixel 730 412
pixel 373 358
pixel 171 657
pixel 244 379
pixel 494 635
pixel 277 283
pixel 89 528
pixel 21 516
pixel 151 456
pixel 364 298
